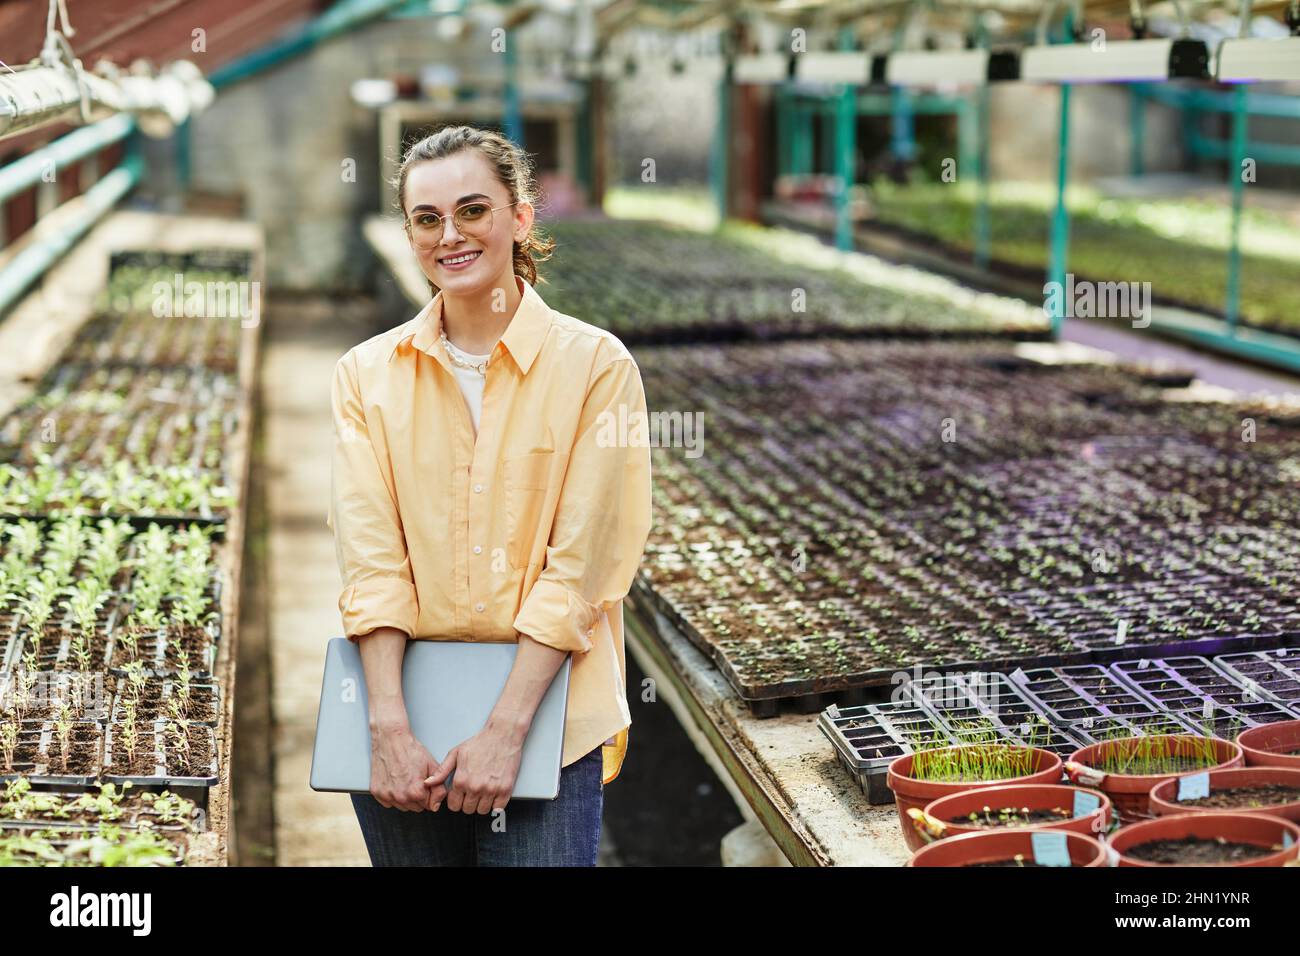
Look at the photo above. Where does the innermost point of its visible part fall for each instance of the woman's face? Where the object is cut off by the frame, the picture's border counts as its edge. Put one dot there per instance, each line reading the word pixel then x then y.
pixel 443 185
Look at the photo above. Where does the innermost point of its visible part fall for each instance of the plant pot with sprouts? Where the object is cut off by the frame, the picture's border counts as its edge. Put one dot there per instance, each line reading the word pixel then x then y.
pixel 920 778
pixel 1272 745
pixel 1207 839
pixel 1008 848
pixel 1128 768
pixel 1015 806
pixel 1268 790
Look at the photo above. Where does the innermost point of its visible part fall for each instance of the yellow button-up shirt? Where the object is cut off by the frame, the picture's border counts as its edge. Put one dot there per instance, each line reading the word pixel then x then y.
pixel 535 527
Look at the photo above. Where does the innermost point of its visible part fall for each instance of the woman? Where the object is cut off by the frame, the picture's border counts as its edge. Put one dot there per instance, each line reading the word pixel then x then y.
pixel 482 493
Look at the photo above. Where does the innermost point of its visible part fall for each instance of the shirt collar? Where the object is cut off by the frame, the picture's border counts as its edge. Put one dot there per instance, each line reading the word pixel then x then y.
pixel 523 337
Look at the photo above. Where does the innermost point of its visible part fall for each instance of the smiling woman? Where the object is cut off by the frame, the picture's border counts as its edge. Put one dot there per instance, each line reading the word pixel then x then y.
pixel 474 500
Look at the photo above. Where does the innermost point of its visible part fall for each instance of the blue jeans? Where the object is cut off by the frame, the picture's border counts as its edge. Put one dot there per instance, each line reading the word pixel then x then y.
pixel 560 832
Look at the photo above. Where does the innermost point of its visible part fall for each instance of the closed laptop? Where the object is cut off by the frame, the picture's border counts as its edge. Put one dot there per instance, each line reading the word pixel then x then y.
pixel 450 688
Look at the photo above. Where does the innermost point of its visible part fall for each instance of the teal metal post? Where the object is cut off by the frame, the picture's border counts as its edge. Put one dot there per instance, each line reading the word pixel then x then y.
pixel 1061 215
pixel 846 150
pixel 514 118
pixel 801 152
pixel 722 143
pixel 1137 125
pixel 903 141
pixel 967 136
pixel 1232 307
pixel 983 232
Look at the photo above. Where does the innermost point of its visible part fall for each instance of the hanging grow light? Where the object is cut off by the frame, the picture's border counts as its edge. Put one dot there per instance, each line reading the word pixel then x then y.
pixel 1251 60
pixel 949 67
pixel 847 67
pixel 1117 61
pixel 763 68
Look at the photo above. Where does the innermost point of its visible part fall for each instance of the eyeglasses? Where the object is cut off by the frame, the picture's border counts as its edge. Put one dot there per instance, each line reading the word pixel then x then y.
pixel 473 219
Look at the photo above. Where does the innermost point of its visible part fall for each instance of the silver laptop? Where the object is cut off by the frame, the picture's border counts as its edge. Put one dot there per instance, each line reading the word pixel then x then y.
pixel 450 688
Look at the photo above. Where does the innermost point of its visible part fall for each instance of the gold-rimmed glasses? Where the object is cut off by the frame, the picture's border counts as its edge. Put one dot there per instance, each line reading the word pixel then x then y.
pixel 473 219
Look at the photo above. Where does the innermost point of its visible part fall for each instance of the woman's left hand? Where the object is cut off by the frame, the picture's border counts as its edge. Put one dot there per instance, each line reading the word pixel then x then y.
pixel 486 766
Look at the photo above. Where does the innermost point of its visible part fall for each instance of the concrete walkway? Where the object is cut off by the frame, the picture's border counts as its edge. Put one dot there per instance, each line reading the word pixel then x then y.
pixel 304 338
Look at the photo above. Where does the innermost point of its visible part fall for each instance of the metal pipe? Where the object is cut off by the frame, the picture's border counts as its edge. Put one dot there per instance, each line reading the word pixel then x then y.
pixel 339 19
pixel 27 170
pixel 30 264
pixel 35 96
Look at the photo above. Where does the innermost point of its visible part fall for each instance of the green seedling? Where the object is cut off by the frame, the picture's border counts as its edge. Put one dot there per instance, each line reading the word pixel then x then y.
pixel 178 732
pixel 982 761
pixel 130 732
pixel 9 743
pixel 1157 755
pixel 63 726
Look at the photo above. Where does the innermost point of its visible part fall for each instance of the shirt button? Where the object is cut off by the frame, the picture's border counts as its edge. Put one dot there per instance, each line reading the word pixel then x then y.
pixel 478 607
pixel 478 549
pixel 477 489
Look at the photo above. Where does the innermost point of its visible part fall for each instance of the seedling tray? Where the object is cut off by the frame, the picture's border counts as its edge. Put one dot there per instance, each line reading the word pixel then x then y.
pixel 970 709
pixel 42 768
pixel 62 838
pixel 867 738
pixel 52 689
pixel 1070 695
pixel 156 654
pixel 128 821
pixel 206 692
pixel 155 738
pixel 1192 684
pixel 215 523
pixel 1096 730
pixel 744 661
pixel 1273 675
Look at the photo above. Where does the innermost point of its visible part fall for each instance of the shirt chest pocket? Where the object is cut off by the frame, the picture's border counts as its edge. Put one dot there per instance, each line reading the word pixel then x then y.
pixel 526 479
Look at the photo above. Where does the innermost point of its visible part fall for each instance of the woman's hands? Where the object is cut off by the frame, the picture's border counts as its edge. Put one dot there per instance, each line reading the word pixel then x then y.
pixel 399 765
pixel 485 765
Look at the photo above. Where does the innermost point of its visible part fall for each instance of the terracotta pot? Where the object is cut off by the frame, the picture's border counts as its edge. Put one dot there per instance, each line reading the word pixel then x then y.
pixel 992 846
pixel 1233 827
pixel 947 817
pixel 1164 796
pixel 1131 792
pixel 917 794
pixel 1272 745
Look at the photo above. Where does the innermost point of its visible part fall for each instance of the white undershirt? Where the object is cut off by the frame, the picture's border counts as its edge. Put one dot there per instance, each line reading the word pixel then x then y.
pixel 470 381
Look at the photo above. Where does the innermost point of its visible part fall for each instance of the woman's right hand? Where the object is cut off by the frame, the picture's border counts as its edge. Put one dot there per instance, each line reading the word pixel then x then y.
pixel 398 762
pixel 398 766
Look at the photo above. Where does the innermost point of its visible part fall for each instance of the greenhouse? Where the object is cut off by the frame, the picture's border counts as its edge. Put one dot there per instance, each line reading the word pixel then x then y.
pixel 649 434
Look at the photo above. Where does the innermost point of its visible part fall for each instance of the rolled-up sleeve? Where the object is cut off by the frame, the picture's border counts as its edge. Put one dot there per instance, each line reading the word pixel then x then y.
pixel 378 589
pixel 602 519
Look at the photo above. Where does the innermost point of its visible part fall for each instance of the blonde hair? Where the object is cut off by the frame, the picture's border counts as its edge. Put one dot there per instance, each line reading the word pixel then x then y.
pixel 514 170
